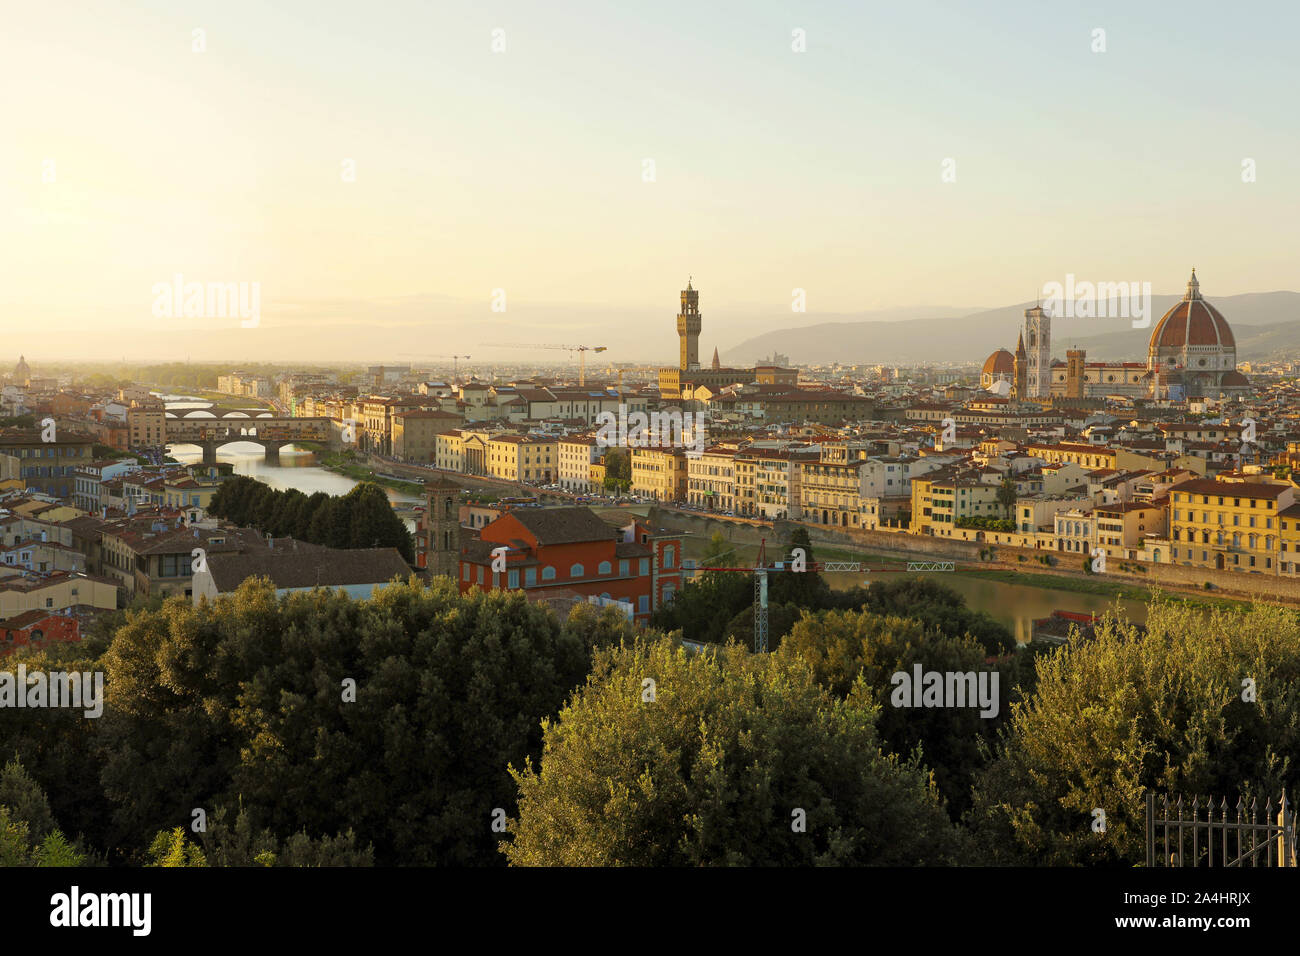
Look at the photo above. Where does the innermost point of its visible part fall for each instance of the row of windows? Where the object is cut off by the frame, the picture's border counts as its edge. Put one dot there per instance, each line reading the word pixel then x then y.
pixel 1236 502
pixel 1236 519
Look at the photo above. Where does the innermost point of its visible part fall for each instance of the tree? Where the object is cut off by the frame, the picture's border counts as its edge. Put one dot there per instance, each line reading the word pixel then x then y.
pixel 739 759
pixel 939 608
pixel 1206 703
pixel 847 647
pixel 28 836
pixel 244 699
pixel 1007 494
pixel 804 589
pixel 173 848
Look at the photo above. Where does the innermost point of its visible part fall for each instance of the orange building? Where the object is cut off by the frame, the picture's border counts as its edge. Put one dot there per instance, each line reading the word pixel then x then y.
pixel 569 553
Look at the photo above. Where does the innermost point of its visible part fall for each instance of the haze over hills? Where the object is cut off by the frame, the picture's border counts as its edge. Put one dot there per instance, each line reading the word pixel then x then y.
pixel 1264 323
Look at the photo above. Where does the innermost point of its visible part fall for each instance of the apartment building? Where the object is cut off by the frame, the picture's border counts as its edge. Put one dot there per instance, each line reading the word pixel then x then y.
pixel 1228 524
pixel 527 458
pixel 1125 529
pixel 711 479
pixel 415 433
pixel 575 454
pixel 659 473
pixel 49 467
pixel 146 425
pixel 830 487
pixel 88 480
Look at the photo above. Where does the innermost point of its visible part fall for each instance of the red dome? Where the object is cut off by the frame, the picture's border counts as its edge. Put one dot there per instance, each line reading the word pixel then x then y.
pixel 1000 362
pixel 1192 322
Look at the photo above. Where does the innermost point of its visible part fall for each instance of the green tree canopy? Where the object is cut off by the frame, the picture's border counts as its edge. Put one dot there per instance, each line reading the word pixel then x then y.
pixel 1133 710
pixel 719 768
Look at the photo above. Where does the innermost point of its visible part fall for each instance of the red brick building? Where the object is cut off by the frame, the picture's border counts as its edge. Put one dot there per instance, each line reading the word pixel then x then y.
pixel 37 627
pixel 561 552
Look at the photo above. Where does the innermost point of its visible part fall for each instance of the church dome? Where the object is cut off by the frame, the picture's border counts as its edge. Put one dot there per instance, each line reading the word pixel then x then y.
pixel 1192 322
pixel 1000 362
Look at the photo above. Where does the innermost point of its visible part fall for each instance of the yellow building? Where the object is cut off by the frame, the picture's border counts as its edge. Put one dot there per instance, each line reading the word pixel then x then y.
pixel 659 473
pixel 830 488
pixel 450 451
pixel 530 458
pixel 711 479
pixel 1229 525
pixel 59 591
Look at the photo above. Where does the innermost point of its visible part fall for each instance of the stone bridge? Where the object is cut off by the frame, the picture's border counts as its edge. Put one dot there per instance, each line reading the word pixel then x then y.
pixel 269 431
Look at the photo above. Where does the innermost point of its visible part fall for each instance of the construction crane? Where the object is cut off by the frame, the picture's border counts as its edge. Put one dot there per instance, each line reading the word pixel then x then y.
pixel 582 351
pixel 760 570
pixel 455 361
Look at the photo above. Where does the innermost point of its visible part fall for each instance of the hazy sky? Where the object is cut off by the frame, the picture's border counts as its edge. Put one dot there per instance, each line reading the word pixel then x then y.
pixel 523 170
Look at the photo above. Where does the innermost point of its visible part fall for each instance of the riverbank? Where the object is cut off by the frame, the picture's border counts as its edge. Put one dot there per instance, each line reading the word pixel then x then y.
pixel 348 465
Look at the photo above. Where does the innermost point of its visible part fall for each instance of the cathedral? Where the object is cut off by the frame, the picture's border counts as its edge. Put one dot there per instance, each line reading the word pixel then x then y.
pixel 1191 354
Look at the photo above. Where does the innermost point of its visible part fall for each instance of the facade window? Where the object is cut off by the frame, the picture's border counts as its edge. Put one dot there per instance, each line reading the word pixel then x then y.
pixel 644 567
pixel 576 571
pixel 548 573
pixel 605 568
pixel 530 577
pixel 512 579
pixel 669 556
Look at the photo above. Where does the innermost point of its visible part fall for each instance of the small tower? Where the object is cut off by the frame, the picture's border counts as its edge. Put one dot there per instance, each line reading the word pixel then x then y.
pixel 442 527
pixel 1018 371
pixel 716 363
pixel 1074 373
pixel 689 322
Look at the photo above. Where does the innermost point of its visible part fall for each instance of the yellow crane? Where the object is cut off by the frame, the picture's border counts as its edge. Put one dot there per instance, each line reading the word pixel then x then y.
pixel 582 351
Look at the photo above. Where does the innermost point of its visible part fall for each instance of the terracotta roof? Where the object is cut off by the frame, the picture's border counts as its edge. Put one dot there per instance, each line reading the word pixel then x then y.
pixel 567 525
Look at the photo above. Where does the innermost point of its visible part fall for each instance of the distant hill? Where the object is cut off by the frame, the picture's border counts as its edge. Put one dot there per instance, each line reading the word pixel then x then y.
pixel 1264 323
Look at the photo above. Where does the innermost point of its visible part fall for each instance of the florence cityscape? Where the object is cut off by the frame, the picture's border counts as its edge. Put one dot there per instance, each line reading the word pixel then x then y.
pixel 445 437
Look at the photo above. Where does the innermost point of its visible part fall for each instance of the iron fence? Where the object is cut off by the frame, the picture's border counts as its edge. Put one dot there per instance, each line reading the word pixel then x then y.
pixel 1203 833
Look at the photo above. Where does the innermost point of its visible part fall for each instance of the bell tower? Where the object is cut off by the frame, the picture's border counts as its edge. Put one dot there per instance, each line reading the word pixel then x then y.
pixel 1038 344
pixel 442 527
pixel 689 321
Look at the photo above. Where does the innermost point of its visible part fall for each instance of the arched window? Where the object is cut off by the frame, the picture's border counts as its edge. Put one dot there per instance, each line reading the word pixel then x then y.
pixel 448 508
pixel 577 571
pixel 605 568
pixel 548 573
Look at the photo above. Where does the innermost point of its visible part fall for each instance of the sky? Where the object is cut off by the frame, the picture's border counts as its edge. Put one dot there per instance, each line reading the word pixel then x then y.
pixel 519 177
